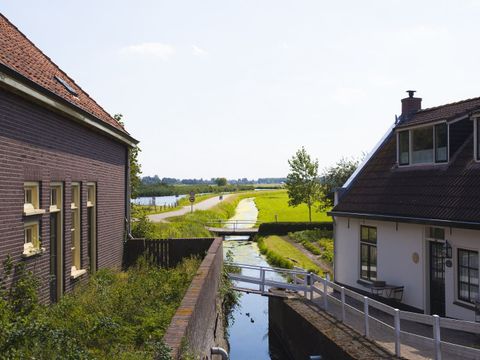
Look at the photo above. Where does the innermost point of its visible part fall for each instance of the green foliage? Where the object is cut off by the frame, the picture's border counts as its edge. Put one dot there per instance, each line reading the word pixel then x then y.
pixel 230 298
pixel 134 163
pixel 334 177
pixel 318 242
pixel 221 181
pixel 326 244
pixel 116 315
pixel 142 227
pixel 163 189
pixel 302 182
pixel 273 257
pixel 284 228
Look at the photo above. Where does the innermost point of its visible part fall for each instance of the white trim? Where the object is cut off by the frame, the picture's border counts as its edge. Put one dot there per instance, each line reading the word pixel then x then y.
pixel 45 100
pixel 421 125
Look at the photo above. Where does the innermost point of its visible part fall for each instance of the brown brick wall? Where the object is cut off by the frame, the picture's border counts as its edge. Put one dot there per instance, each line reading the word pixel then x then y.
pixel 195 318
pixel 39 145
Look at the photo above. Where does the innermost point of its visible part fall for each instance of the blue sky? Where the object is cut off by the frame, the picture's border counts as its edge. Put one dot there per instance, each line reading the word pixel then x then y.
pixel 234 88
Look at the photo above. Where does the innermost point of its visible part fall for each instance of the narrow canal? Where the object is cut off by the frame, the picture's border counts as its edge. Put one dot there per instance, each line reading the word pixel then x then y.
pixel 249 337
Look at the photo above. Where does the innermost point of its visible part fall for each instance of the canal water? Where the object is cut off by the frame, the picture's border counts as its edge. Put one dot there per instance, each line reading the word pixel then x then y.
pixel 249 337
pixel 158 200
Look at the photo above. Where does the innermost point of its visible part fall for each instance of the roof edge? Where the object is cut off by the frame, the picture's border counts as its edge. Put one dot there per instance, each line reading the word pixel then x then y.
pixel 408 219
pixel 15 81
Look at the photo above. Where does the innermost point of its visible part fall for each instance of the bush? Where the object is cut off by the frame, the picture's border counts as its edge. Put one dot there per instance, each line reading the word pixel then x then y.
pixel 327 249
pixel 142 227
pixel 283 228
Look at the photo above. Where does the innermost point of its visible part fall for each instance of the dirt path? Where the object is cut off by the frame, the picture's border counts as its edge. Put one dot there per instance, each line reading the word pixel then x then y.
pixel 314 258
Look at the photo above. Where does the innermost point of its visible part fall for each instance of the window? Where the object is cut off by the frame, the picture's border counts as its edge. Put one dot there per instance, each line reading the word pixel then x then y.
pixel 31 204
pixel 55 198
pixel 92 225
pixel 423 145
pixel 403 147
pixel 368 253
pixel 467 275
pixel 435 233
pixel 477 139
pixel 75 230
pixel 31 244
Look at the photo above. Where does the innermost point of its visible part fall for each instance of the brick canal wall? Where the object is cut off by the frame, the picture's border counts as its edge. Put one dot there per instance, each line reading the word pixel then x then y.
pixel 306 330
pixel 199 313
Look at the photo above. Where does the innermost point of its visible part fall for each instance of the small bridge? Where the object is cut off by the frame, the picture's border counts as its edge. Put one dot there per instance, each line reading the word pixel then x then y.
pixel 233 227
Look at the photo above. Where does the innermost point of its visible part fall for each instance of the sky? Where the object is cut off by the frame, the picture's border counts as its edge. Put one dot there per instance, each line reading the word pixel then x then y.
pixel 233 88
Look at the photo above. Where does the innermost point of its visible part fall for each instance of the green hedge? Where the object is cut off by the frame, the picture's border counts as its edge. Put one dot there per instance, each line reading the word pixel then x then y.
pixel 283 228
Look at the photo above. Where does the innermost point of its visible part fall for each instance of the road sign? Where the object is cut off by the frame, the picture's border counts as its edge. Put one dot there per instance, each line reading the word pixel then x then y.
pixel 192 196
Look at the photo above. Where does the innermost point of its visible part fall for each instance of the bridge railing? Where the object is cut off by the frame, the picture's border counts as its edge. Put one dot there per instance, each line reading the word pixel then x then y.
pixel 374 319
pixel 231 224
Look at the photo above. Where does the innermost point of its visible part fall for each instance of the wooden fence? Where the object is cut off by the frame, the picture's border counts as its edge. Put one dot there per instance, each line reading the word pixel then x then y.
pixel 164 252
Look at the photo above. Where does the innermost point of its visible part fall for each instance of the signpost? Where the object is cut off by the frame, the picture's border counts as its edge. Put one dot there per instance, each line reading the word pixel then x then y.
pixel 192 200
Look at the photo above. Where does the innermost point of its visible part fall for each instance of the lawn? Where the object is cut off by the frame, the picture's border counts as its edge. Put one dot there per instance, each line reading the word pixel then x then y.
pixel 271 203
pixel 282 248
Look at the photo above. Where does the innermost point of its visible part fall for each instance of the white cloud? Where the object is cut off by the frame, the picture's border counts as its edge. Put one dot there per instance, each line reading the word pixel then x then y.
pixel 349 95
pixel 153 49
pixel 198 51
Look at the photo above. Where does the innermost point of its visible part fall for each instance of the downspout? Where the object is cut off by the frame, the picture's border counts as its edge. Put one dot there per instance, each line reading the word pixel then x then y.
pixel 219 351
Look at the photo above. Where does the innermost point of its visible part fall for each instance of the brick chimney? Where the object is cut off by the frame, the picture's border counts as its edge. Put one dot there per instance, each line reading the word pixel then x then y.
pixel 410 104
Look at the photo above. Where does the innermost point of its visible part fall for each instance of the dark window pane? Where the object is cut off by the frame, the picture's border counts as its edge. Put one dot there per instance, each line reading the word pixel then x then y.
pixel 441 143
pixel 403 147
pixel 372 235
pixel 422 145
pixel 364 233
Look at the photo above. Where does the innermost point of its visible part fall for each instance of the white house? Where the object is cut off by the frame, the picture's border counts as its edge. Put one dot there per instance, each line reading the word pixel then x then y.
pixel 411 215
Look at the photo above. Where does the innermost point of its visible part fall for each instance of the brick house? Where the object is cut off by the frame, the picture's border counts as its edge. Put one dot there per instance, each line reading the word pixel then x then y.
pixel 64 171
pixel 410 215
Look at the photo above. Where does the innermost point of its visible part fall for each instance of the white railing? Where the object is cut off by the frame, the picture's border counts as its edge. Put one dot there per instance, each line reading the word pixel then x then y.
pixel 340 302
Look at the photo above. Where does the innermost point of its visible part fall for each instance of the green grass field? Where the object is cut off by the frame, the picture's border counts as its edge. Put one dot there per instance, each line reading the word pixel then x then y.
pixel 271 203
pixel 286 250
pixel 149 209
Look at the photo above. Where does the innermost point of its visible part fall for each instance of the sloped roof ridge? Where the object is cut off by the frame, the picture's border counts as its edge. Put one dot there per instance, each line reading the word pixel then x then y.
pixel 446 105
pixel 63 73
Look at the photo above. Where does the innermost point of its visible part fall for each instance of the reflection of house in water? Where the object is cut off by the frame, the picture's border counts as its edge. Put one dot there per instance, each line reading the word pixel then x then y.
pixel 411 215
pixel 64 174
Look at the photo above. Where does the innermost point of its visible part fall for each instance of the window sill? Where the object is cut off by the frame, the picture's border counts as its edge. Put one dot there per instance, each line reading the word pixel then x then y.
pixel 73 207
pixel 54 209
pixel 33 252
pixel 34 212
pixel 465 305
pixel 75 274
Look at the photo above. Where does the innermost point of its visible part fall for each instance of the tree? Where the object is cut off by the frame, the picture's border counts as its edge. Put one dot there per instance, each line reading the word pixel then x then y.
pixel 302 182
pixel 221 181
pixel 334 177
pixel 135 167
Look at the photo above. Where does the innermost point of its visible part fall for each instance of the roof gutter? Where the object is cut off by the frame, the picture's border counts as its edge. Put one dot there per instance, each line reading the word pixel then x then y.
pixel 9 79
pixel 408 219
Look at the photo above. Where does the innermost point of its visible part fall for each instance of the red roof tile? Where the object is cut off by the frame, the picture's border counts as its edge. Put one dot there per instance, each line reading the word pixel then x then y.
pixel 20 55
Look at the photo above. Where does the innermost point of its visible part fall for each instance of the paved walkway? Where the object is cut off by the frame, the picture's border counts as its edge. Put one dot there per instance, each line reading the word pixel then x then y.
pixel 202 205
pixel 381 330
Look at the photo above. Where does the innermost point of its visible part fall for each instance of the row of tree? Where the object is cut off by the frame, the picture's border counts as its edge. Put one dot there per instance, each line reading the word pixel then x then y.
pixel 306 186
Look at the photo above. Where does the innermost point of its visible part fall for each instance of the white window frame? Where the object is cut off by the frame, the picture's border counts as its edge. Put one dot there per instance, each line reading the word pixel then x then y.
pixel 75 231
pixel 409 129
pixel 32 248
pixel 456 274
pixel 32 208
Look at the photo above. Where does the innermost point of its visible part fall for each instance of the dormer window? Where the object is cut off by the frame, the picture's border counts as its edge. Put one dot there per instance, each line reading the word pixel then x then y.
pixel 423 145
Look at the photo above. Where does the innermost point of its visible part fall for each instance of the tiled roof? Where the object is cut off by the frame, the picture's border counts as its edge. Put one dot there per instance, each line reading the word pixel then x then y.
pixel 23 57
pixel 444 112
pixel 448 192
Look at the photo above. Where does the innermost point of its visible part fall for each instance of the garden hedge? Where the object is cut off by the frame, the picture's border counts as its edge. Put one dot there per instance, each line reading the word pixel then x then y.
pixel 283 228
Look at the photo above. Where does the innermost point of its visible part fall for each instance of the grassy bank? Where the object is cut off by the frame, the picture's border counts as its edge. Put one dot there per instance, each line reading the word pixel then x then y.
pixel 280 253
pixel 273 206
pixel 318 242
pixel 116 315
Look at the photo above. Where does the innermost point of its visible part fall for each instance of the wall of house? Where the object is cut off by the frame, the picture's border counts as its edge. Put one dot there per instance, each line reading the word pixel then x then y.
pixel 394 256
pixel 39 145
pixel 395 263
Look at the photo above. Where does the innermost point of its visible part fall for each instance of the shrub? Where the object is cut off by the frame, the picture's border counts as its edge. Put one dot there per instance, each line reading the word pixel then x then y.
pixel 283 228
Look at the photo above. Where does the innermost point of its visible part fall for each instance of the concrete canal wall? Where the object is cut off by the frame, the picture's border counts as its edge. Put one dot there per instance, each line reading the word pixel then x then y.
pixel 306 330
pixel 198 320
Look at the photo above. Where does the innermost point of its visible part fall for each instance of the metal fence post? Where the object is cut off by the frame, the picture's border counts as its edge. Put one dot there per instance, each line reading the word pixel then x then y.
pixel 262 280
pixel 365 310
pixel 310 276
pixel 397 332
pixel 325 294
pixel 343 303
pixel 436 337
pixel 305 284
